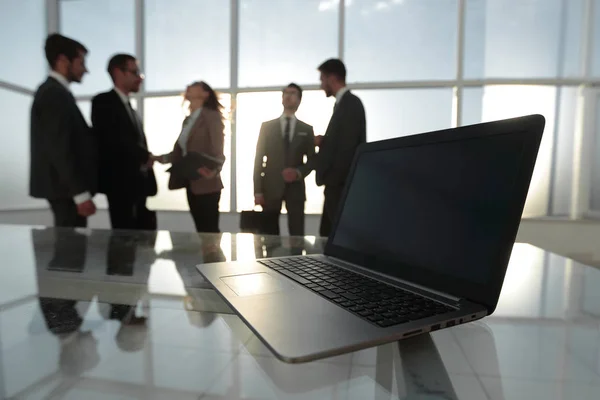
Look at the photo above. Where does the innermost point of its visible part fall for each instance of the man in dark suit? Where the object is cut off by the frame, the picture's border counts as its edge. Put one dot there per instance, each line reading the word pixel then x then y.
pixel 346 130
pixel 284 142
pixel 126 175
pixel 63 159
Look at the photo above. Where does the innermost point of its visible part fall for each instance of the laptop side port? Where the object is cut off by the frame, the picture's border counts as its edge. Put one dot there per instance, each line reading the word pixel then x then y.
pixel 412 333
pixel 435 327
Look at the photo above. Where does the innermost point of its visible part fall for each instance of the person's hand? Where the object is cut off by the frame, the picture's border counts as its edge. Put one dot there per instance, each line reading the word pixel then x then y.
pixel 150 162
pixel 290 175
pixel 259 200
pixel 86 208
pixel 207 173
pixel 318 140
pixel 163 159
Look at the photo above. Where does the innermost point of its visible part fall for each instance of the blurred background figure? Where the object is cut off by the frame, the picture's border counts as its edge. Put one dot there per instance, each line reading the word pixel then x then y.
pixel 284 143
pixel 202 132
pixel 63 150
pixel 125 164
pixel 346 130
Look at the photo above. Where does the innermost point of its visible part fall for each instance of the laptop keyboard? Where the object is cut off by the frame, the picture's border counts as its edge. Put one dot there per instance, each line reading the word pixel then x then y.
pixel 371 300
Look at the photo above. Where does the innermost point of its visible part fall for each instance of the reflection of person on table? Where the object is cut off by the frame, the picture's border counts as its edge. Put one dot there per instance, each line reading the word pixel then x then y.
pixel 64 317
pixel 120 261
pixel 78 347
pixel 202 132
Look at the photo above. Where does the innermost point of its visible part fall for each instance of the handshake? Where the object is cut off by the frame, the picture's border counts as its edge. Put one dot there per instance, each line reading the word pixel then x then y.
pixel 87 208
pixel 162 159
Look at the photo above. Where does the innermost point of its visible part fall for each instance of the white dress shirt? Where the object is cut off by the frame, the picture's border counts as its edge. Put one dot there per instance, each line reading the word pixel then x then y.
pixel 133 115
pixel 185 131
pixel 124 98
pixel 85 196
pixel 339 94
pixel 126 102
pixel 283 122
pixel 61 79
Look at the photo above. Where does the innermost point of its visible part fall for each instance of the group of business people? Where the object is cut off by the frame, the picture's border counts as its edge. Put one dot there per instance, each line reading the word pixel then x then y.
pixel 71 161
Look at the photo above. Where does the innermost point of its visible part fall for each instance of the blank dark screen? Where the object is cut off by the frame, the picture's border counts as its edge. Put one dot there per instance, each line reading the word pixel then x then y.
pixel 441 207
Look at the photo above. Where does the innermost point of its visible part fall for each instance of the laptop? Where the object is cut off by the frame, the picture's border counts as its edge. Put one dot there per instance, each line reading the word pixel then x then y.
pixel 421 242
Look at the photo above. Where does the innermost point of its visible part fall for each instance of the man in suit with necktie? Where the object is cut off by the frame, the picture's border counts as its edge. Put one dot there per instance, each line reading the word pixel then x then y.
pixel 346 130
pixel 126 175
pixel 63 159
pixel 284 142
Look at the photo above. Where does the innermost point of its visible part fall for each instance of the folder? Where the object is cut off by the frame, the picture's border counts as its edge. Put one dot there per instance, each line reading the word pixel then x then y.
pixel 187 167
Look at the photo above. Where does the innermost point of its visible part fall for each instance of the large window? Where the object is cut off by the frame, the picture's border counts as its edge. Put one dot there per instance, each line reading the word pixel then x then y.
pixel 402 57
pixel 498 102
pixel 401 40
pixel 596 40
pixel 401 112
pixel 595 186
pixel 523 38
pixel 285 41
pixel 14 160
pixel 186 41
pixel 22 32
pixel 22 69
pixel 563 156
pixel 162 123
pixel 110 31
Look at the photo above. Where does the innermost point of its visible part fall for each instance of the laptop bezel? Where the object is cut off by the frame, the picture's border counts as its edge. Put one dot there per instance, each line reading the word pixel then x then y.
pixel 486 294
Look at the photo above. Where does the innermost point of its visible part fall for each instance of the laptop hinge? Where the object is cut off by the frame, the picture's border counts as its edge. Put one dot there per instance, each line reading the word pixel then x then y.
pixel 393 279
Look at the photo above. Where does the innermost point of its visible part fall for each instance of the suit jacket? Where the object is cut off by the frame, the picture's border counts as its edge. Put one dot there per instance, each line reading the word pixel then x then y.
pixel 346 130
pixel 122 149
pixel 206 136
pixel 62 147
pixel 268 179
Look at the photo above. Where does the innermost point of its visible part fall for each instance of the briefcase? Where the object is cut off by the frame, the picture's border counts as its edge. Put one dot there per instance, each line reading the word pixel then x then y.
pixel 259 222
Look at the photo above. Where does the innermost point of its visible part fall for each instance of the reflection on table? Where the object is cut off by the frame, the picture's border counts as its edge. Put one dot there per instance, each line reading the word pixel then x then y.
pixel 100 314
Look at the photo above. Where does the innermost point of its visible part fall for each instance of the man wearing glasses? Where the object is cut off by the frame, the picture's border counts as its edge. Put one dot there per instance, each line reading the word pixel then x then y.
pixel 125 164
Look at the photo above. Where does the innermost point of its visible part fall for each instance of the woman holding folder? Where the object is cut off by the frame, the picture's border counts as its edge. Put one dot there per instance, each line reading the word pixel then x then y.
pixel 200 147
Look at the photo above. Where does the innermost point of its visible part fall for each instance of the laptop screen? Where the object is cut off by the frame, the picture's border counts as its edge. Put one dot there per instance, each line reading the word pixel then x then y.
pixel 439 207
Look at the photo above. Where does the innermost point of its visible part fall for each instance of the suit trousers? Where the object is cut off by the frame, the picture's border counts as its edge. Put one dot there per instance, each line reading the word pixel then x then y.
pixel 333 197
pixel 65 214
pixel 125 212
pixel 205 210
pixel 294 204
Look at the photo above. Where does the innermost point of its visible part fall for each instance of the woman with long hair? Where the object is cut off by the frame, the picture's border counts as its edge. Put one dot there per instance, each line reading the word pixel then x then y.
pixel 202 132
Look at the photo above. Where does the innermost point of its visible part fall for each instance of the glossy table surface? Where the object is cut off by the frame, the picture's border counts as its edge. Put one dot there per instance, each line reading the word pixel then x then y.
pixel 95 314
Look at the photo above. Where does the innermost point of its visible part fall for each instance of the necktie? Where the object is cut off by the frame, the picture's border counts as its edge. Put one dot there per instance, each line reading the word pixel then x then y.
pixel 286 132
pixel 137 124
pixel 286 137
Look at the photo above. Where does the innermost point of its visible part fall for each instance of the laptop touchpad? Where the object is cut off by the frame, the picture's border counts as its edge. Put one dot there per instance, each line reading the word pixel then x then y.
pixel 256 283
